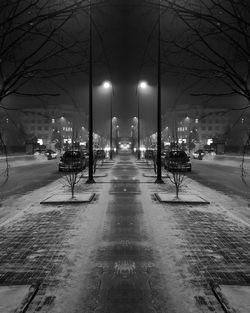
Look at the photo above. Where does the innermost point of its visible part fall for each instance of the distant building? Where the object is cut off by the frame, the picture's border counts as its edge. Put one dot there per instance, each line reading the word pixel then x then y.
pixel 55 124
pixel 196 124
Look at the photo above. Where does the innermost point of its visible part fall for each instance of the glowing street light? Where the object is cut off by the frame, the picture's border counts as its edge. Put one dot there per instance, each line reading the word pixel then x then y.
pixel 141 85
pixel 108 85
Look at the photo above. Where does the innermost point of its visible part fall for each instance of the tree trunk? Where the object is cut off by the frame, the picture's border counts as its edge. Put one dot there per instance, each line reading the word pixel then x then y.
pixel 177 191
pixel 72 191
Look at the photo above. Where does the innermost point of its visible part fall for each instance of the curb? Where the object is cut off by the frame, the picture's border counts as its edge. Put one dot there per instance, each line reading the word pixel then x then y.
pixel 179 201
pixel 70 201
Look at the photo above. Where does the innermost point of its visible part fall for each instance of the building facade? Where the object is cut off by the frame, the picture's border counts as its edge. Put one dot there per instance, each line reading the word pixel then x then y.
pixel 47 126
pixel 196 125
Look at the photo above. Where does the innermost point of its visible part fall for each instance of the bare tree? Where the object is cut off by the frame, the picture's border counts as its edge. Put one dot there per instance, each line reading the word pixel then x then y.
pixel 74 164
pixel 177 178
pixel 41 43
pixel 243 169
pixel 4 172
pixel 210 41
pixel 72 178
pixel 39 40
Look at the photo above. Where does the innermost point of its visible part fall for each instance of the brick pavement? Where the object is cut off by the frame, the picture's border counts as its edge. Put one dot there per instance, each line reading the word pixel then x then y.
pixel 33 250
pixel 124 277
pixel 214 248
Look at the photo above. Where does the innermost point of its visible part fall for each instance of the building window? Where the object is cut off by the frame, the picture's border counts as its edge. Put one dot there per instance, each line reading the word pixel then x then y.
pixel 39 128
pixel 203 128
pixel 210 128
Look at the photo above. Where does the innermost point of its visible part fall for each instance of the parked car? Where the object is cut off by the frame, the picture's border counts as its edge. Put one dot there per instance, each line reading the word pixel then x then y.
pixel 164 154
pixel 177 160
pixel 199 154
pixel 100 154
pixel 149 154
pixel 39 152
pixel 72 161
pixel 50 154
pixel 210 152
pixel 86 156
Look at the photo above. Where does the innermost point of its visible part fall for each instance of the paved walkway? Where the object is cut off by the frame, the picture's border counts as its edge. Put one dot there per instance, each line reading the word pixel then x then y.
pixel 125 252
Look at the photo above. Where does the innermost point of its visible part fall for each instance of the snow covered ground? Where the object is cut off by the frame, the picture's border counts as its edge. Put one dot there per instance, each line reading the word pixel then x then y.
pixel 173 232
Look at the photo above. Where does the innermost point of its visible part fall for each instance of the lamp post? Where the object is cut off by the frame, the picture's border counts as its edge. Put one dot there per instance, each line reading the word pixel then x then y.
pixel 108 85
pixel 116 137
pixel 90 179
pixel 132 137
pixel 141 85
pixel 159 178
pixel 188 121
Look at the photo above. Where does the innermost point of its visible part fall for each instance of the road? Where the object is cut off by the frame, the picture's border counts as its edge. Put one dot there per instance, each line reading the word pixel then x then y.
pixel 25 178
pixel 31 176
pixel 221 177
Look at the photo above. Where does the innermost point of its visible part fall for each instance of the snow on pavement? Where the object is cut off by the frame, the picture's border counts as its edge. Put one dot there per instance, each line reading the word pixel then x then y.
pixel 193 243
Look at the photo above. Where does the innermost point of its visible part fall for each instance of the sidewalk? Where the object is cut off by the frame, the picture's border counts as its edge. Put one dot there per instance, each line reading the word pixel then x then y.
pixel 125 251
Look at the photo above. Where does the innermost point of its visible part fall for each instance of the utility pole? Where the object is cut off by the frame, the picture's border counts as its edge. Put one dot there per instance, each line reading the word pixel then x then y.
pixel 111 126
pixel 138 127
pixel 158 157
pixel 90 179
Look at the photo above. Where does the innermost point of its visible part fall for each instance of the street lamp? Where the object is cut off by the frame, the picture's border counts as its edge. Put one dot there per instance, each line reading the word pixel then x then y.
pixel 141 85
pixel 187 121
pixel 132 136
pixel 159 178
pixel 108 85
pixel 90 179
